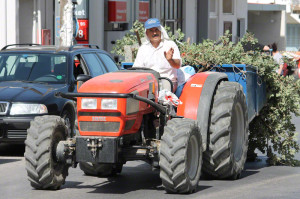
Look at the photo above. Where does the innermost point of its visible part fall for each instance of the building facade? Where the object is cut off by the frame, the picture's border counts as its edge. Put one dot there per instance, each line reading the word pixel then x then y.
pixel 102 22
pixel 228 15
pixel 275 21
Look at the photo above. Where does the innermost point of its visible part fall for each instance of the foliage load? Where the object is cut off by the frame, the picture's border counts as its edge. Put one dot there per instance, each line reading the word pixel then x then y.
pixel 271 132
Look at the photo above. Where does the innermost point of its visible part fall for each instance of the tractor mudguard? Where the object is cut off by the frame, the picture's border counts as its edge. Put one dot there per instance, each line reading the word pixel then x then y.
pixel 196 99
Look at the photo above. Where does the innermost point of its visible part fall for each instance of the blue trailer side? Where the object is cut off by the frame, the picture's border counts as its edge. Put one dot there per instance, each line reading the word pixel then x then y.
pixel 253 85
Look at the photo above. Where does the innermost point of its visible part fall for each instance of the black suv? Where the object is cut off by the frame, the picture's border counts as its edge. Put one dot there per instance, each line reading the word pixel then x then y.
pixel 30 75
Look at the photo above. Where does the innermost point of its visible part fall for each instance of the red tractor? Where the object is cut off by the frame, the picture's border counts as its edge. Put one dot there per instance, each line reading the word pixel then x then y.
pixel 120 119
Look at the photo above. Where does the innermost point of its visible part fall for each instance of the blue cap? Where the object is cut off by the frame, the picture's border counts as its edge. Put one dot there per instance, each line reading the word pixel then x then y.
pixel 151 23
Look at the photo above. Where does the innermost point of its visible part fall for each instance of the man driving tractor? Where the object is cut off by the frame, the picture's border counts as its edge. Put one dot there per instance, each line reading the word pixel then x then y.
pixel 159 52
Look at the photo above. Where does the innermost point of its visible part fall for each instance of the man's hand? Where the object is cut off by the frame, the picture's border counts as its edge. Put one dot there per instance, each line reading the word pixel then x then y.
pixel 175 63
pixel 169 54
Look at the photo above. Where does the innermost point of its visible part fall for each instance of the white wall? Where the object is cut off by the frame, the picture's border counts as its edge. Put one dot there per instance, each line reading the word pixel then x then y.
pixel 227 17
pixel 25 19
pixel 9 22
pixel 189 21
pixel 3 16
pixel 242 13
pixel 268 27
pixel 96 22
pixel 270 1
pixel 18 23
pixel 47 17
pixel 12 21
pixel 42 18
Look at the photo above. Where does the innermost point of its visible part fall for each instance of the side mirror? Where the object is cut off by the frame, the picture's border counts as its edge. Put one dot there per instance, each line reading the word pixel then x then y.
pixel 80 79
pixel 83 78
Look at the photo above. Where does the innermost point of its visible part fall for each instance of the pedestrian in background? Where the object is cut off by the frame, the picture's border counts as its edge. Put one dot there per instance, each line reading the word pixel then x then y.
pixel 276 56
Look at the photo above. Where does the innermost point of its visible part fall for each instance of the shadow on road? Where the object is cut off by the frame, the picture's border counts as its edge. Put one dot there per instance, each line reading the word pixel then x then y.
pixel 4 161
pixel 252 168
pixel 259 163
pixel 142 177
pixel 136 178
pixel 248 173
pixel 15 150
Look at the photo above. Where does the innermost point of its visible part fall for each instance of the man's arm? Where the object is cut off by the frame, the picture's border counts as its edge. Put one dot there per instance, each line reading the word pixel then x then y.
pixel 175 63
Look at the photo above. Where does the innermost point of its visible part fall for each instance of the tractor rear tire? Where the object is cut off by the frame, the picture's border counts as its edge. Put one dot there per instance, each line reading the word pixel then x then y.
pixel 43 169
pixel 228 133
pixel 180 156
pixel 100 170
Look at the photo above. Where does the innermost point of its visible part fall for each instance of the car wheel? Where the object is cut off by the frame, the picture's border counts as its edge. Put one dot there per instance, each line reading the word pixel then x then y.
pixel 67 116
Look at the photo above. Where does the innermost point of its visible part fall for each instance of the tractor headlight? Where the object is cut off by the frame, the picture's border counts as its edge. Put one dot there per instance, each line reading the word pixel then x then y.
pixel 109 104
pixel 88 103
pixel 27 109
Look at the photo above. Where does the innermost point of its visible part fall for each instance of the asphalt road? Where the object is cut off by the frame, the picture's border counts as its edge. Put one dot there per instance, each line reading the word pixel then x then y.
pixel 139 181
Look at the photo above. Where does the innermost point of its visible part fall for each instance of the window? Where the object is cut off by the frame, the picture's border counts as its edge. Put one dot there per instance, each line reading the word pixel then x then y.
pixel 213 27
pixel 228 6
pixel 109 63
pixel 50 68
pixel 238 31
pixel 94 64
pixel 213 6
pixel 241 30
pixel 228 27
pixel 10 67
pixel 171 13
pixel 292 37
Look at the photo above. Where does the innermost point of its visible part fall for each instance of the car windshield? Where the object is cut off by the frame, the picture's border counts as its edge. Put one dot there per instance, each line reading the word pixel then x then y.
pixel 47 68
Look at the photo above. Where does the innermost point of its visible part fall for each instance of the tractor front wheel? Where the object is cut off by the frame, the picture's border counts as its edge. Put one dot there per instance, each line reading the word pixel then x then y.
pixel 180 156
pixel 44 171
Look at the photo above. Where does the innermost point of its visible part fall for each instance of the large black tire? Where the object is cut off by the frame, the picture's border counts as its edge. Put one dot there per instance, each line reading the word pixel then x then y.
pixel 43 169
pixel 100 170
pixel 228 133
pixel 180 156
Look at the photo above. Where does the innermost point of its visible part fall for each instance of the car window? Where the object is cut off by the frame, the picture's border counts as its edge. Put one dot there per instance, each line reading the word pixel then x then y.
pixel 50 68
pixel 109 63
pixel 8 65
pixel 94 64
pixel 79 66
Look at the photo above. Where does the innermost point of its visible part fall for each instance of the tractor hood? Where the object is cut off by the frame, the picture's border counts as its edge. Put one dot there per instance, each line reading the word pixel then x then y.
pixel 118 82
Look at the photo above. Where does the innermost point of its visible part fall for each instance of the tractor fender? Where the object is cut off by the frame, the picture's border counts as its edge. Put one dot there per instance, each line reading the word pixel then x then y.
pixel 197 97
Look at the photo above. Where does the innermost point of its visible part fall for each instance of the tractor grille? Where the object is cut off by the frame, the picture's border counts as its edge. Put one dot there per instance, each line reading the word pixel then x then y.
pixel 3 108
pixel 113 114
pixel 99 126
